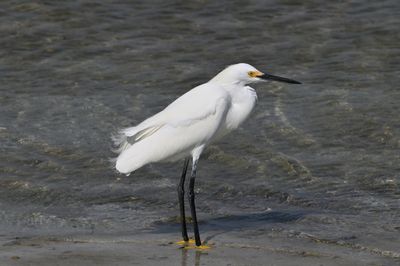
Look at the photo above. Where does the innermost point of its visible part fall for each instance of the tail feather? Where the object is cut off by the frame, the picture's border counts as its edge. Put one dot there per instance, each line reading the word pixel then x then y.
pixel 126 138
pixel 120 141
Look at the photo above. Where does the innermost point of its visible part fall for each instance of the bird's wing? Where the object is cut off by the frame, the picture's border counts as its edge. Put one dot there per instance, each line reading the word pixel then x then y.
pixel 189 122
pixel 193 106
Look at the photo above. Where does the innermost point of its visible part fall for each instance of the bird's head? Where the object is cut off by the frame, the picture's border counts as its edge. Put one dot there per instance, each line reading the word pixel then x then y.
pixel 244 74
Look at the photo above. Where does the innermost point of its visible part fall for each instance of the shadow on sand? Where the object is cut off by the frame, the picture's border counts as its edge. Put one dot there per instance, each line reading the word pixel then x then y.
pixel 222 225
pixel 233 222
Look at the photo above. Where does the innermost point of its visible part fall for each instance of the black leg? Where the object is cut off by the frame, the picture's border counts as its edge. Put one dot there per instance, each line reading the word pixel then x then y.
pixel 192 204
pixel 181 194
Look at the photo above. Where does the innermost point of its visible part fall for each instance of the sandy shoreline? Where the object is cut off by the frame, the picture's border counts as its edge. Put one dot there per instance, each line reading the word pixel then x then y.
pixel 160 249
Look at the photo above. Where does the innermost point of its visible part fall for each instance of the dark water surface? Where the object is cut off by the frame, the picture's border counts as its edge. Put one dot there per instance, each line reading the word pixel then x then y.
pixel 317 164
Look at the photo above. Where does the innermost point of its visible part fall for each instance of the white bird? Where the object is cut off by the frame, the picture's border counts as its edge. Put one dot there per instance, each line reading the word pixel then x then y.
pixel 190 123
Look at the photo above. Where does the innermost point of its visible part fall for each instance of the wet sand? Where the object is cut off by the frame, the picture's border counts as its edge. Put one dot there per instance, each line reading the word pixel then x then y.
pixel 240 248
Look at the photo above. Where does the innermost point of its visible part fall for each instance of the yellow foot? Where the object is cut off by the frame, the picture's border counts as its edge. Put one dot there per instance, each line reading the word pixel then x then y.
pixel 185 243
pixel 201 247
pixel 191 244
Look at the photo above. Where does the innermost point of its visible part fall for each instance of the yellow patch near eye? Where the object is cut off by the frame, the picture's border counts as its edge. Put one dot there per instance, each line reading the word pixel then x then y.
pixel 254 74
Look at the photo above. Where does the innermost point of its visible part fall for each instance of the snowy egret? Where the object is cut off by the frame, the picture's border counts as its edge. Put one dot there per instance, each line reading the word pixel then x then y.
pixel 186 126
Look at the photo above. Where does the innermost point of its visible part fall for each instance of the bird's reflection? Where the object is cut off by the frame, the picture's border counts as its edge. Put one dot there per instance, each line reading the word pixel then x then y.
pixel 184 257
pixel 184 261
pixel 197 258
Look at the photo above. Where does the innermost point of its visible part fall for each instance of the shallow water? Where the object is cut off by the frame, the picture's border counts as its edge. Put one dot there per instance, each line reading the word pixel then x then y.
pixel 318 163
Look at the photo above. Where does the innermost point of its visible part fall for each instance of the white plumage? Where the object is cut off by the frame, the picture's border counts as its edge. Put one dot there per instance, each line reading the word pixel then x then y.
pixel 187 125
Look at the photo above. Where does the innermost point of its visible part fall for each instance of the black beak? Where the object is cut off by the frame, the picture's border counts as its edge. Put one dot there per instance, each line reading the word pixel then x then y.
pixel 276 78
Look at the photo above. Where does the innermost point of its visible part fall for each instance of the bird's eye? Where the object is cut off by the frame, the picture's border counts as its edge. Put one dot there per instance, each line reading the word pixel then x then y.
pixel 252 74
